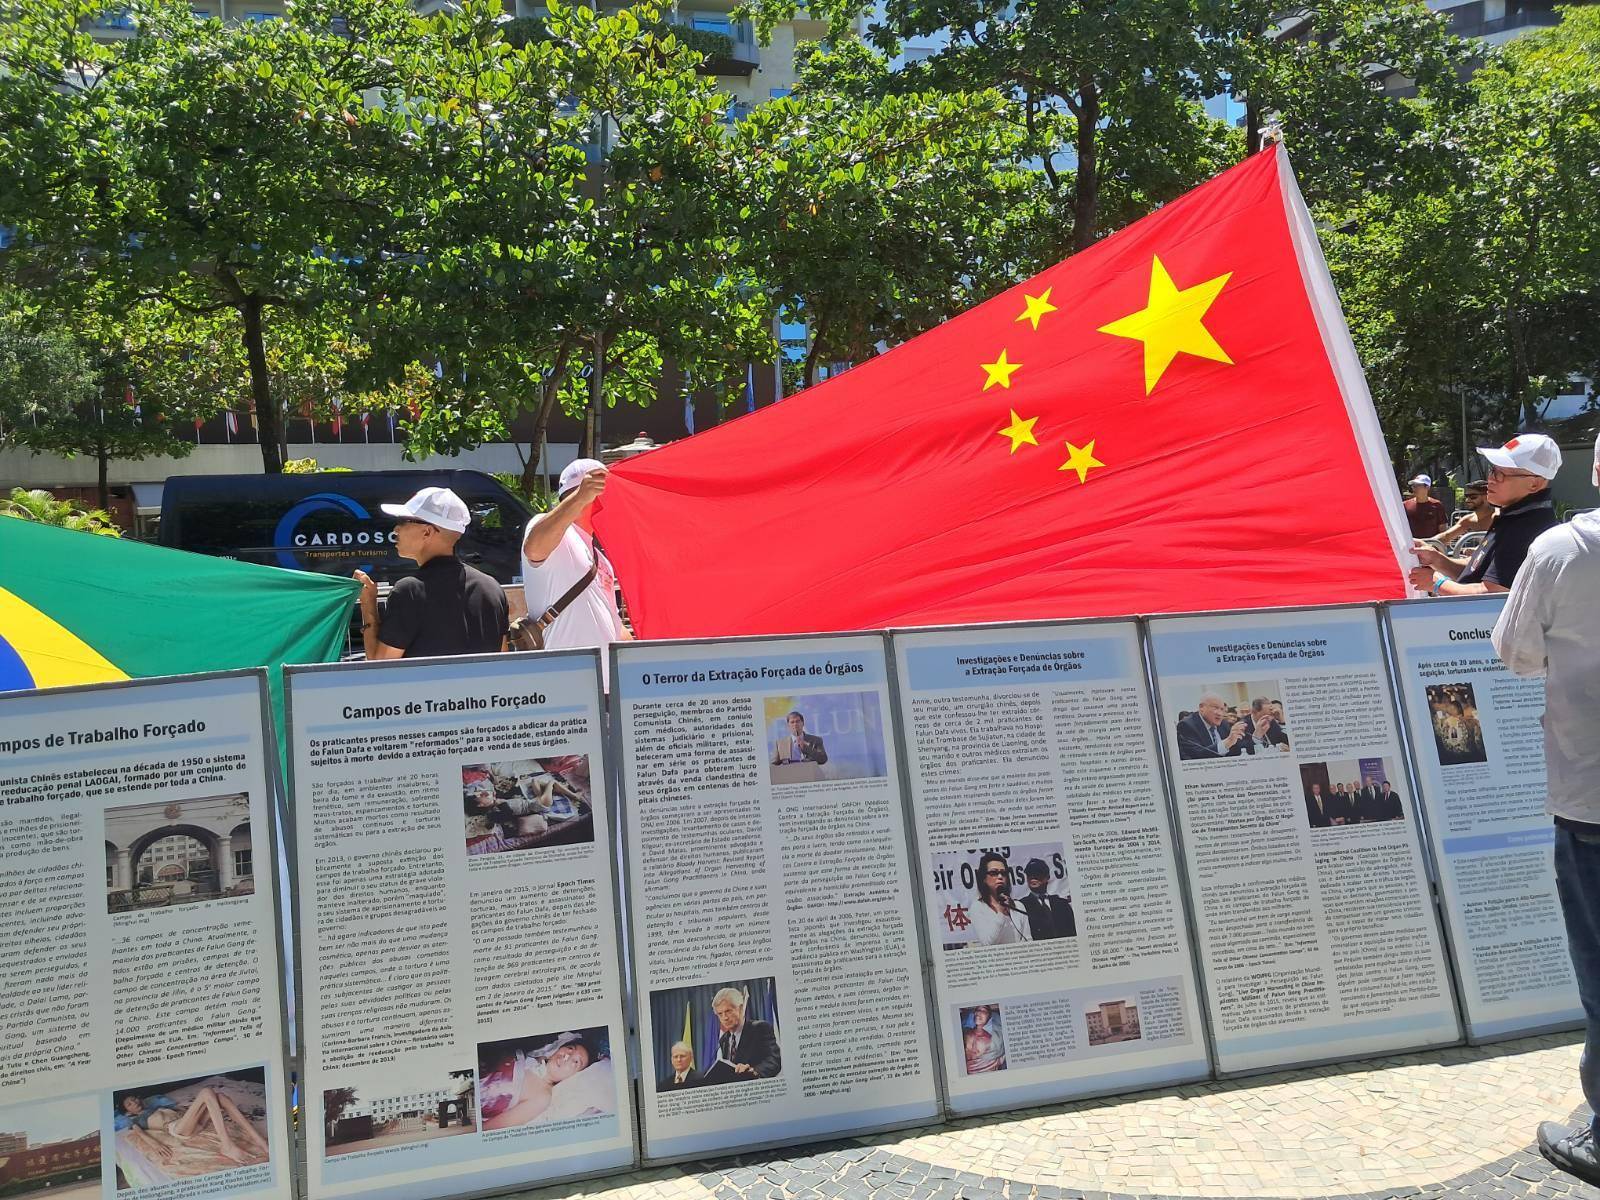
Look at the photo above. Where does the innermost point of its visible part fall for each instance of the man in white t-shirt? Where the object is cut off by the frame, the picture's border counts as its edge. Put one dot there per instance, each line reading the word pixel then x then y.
pixel 557 550
pixel 1550 626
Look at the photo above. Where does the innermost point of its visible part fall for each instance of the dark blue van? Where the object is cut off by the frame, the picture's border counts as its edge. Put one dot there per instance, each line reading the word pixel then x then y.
pixel 331 522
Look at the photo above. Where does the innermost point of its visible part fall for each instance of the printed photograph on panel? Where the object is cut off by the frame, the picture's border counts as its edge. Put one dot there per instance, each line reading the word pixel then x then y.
pixel 1112 1021
pixel 188 1128
pixel 548 1079
pixel 51 1148
pixel 983 1039
pixel 825 736
pixel 526 803
pixel 1351 791
pixel 398 1106
pixel 1002 895
pixel 715 1033
pixel 181 852
pixel 1457 734
pixel 1232 720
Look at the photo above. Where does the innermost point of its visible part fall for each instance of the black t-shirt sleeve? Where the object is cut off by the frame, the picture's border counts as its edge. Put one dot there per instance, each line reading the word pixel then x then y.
pixel 1510 548
pixel 402 617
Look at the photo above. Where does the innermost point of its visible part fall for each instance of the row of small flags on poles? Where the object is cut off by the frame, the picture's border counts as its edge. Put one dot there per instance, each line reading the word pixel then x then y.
pixel 230 418
pixel 230 421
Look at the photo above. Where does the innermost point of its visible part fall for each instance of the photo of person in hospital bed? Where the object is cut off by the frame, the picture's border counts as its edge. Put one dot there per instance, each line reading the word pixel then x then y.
pixel 546 1078
pixel 191 1127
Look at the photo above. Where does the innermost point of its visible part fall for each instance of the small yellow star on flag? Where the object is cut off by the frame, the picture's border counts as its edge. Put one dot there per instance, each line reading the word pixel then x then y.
pixel 999 371
pixel 1081 459
pixel 1038 306
pixel 1170 323
pixel 1020 432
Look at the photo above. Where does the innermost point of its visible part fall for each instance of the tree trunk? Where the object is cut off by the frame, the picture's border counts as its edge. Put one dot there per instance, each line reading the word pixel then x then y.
pixel 550 391
pixel 1252 128
pixel 597 397
pixel 814 354
pixel 102 454
pixel 269 421
pixel 1086 181
pixel 1523 397
pixel 532 471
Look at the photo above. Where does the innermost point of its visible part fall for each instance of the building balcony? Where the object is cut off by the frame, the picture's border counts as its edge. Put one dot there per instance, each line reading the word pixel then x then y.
pixel 729 46
pixel 1479 19
pixel 1531 19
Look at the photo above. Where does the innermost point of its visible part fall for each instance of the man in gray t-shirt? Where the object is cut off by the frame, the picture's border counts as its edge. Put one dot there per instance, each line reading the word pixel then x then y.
pixel 1550 626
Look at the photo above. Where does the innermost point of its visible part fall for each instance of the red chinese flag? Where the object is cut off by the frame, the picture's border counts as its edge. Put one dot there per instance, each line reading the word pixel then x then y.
pixel 1172 420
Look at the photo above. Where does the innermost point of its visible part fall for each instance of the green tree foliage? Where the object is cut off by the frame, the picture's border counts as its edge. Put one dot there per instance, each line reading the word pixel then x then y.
pixel 876 214
pixel 1322 71
pixel 1102 90
pixel 44 372
pixel 215 169
pixel 84 389
pixel 575 211
pixel 1109 94
pixel 1478 283
pixel 40 506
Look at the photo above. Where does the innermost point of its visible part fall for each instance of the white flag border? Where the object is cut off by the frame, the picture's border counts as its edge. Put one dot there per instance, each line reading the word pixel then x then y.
pixel 1347 372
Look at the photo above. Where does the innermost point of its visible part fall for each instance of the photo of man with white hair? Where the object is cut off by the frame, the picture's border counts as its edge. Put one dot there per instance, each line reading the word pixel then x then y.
pixel 748 1047
pixel 1208 732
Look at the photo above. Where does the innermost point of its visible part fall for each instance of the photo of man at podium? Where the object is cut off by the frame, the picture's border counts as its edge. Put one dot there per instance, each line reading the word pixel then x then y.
pixel 796 755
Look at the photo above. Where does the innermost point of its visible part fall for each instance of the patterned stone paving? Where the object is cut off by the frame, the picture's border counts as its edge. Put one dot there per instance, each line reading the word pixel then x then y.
pixel 1450 1123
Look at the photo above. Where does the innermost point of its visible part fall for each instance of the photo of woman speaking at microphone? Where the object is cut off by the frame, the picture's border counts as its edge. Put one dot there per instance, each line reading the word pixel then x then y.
pixel 996 919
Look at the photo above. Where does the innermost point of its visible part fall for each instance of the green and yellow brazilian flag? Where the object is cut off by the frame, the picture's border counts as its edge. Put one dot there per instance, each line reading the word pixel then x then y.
pixel 80 608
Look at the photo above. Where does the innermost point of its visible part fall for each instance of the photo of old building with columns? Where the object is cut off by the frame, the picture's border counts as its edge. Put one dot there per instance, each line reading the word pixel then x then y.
pixel 178 852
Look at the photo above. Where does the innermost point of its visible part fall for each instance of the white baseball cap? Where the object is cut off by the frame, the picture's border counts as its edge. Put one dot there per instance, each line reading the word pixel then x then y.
pixel 1526 452
pixel 1425 480
pixel 572 474
pixel 435 505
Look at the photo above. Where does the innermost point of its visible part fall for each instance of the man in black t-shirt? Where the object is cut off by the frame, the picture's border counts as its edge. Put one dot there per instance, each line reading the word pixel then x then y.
pixel 1519 486
pixel 447 607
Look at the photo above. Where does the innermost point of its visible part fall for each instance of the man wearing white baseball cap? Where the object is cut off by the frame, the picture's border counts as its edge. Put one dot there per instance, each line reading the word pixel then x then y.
pixel 564 575
pixel 447 607
pixel 1426 515
pixel 1519 486
pixel 1550 626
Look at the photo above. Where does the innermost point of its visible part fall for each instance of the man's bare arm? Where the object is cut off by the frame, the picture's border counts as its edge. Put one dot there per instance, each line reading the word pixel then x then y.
pixel 546 535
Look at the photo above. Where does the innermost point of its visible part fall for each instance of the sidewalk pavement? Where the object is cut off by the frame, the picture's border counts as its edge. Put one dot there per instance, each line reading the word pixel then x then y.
pixel 1447 1123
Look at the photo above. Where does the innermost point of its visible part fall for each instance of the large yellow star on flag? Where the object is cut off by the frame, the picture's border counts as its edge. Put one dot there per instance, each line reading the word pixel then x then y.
pixel 1170 323
pixel 1081 459
pixel 999 372
pixel 1038 306
pixel 1020 432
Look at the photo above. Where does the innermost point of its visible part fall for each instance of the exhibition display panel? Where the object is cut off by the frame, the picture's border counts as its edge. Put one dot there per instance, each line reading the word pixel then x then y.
pixel 462 1017
pixel 776 961
pixel 1475 730
pixel 868 880
pixel 1057 934
pixel 1317 933
pixel 144 1043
